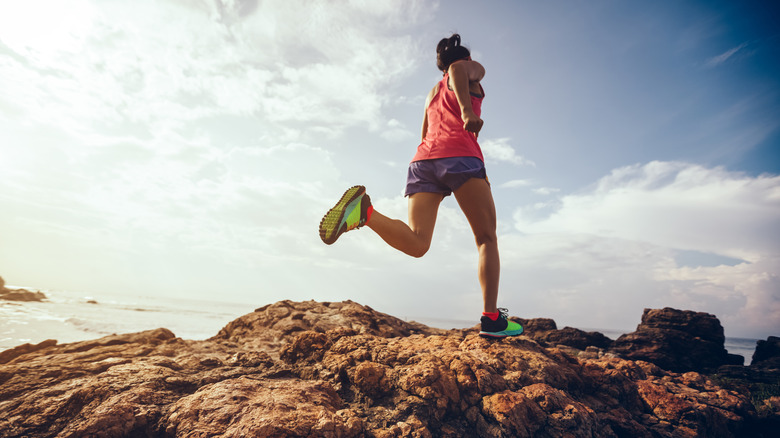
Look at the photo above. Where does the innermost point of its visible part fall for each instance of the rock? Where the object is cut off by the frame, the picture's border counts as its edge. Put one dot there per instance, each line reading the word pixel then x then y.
pixel 21 295
pixel 268 327
pixel 269 408
pixel 677 340
pixel 545 330
pixel 537 325
pixel 345 370
pixel 577 338
pixel 7 355
pixel 767 354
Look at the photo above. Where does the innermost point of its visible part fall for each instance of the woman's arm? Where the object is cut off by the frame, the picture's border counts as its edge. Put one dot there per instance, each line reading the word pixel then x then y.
pixel 463 75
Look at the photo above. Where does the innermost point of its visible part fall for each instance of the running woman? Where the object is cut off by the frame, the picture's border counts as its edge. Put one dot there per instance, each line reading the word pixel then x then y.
pixel 449 160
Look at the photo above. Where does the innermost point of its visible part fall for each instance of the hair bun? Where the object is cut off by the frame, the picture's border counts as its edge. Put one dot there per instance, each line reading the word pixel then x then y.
pixel 454 41
pixel 449 50
pixel 448 43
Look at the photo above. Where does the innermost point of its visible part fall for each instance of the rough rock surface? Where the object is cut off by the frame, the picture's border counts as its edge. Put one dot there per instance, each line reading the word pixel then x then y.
pixel 677 340
pixel 344 370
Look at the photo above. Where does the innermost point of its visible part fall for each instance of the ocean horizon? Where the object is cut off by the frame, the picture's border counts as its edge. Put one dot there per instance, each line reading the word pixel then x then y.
pixel 72 316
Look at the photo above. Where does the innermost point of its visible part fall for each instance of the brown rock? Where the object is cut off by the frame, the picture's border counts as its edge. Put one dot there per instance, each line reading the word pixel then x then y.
pixel 677 340
pixel 546 330
pixel 344 370
pixel 21 295
pixel 7 355
pixel 247 406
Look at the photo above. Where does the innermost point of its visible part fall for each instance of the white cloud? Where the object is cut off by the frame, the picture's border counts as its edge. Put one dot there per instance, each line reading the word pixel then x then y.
pixel 500 150
pixel 676 205
pixel 166 65
pixel 395 131
pixel 516 183
pixel 172 130
pixel 725 56
pixel 614 247
pixel 546 191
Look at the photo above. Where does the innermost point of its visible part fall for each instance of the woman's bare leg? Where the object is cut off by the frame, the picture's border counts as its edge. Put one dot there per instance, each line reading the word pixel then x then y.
pixel 476 201
pixel 413 239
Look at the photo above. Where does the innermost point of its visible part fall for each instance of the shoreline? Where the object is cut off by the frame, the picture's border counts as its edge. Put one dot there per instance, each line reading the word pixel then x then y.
pixel 73 317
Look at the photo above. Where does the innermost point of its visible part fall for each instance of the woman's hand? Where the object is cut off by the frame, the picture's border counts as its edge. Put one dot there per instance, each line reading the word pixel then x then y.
pixel 471 122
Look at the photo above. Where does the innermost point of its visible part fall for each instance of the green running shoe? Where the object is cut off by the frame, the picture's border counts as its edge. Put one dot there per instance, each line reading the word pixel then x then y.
pixel 501 327
pixel 352 211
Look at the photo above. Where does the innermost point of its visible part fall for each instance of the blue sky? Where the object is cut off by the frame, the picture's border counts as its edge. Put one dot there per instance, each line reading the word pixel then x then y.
pixel 190 148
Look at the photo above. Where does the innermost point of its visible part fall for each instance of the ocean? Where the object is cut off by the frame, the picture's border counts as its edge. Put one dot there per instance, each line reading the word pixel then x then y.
pixel 72 316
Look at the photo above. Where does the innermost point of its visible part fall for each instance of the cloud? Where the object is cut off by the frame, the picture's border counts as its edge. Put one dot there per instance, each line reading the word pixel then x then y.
pixel 677 205
pixel 499 150
pixel 725 56
pixel 395 131
pixel 516 183
pixel 615 247
pixel 168 65
pixel 190 129
pixel 546 191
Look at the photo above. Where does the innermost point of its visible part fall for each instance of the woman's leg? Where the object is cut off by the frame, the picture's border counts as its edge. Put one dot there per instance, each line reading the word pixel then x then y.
pixel 413 239
pixel 476 201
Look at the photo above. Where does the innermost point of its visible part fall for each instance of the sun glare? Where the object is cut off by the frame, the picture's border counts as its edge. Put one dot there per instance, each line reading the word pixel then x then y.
pixel 45 26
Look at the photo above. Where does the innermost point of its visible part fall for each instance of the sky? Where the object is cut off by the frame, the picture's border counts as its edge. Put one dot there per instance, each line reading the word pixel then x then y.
pixel 190 148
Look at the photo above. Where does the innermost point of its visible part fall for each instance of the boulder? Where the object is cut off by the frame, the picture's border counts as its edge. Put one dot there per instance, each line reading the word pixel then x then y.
pixel 767 354
pixel 677 340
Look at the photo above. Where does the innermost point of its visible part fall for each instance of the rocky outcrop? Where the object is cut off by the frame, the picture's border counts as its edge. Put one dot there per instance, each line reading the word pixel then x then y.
pixel 677 340
pixel 19 294
pixel 767 354
pixel 344 370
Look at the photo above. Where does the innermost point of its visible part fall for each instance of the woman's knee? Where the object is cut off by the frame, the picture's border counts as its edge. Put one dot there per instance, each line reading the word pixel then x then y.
pixel 486 238
pixel 419 250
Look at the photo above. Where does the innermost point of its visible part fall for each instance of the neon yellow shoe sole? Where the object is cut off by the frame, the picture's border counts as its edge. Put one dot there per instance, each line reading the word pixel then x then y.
pixel 336 221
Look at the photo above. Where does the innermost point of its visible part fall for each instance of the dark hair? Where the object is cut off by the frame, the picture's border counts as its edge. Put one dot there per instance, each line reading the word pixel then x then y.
pixel 448 51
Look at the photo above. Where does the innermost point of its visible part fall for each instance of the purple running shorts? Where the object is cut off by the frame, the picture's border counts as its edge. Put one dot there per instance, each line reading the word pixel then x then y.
pixel 442 175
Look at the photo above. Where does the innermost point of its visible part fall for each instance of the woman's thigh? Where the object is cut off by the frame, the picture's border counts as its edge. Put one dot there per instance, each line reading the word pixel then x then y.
pixel 476 200
pixel 423 209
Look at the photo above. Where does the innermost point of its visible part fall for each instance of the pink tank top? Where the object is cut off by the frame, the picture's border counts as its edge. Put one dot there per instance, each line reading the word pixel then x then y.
pixel 445 136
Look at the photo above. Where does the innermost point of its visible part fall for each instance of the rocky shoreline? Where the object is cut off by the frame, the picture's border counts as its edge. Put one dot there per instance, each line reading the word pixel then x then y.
pixel 19 294
pixel 311 369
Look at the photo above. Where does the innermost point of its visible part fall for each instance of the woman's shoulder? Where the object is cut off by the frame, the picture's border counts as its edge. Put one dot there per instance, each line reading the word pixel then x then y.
pixel 472 69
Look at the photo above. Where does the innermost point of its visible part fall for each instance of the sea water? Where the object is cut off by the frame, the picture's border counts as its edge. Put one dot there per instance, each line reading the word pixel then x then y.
pixel 72 316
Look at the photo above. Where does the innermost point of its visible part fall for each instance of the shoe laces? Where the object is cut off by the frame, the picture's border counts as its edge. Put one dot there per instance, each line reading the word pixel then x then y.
pixel 503 313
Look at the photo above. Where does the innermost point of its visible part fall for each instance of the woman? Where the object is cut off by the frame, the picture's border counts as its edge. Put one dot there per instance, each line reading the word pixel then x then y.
pixel 449 160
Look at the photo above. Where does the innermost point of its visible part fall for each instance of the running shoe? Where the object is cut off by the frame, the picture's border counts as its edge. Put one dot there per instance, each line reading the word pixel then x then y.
pixel 351 212
pixel 501 327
